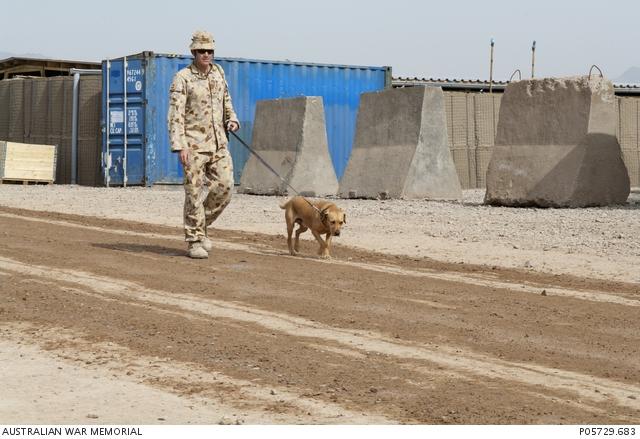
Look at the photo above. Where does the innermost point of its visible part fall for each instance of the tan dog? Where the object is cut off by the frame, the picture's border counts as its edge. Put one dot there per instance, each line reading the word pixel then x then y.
pixel 325 218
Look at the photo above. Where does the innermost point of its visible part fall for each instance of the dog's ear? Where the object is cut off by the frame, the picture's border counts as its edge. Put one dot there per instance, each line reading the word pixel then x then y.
pixel 323 213
pixel 344 218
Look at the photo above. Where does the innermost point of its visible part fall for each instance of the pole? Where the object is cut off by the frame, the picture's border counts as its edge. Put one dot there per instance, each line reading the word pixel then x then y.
pixel 74 118
pixel 491 69
pixel 533 58
pixel 107 157
pixel 74 129
pixel 125 121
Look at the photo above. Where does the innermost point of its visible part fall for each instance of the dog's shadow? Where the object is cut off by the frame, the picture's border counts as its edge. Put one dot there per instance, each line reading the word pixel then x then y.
pixel 140 248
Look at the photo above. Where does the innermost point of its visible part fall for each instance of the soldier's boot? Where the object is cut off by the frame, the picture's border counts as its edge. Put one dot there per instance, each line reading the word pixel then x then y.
pixel 197 251
pixel 206 244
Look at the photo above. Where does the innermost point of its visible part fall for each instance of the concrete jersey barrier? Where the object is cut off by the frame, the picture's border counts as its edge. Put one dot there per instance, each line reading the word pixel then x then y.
pixel 556 146
pixel 401 148
pixel 290 135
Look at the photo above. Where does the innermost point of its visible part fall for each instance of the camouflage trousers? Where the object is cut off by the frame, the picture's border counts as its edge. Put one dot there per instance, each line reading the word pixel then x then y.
pixel 208 180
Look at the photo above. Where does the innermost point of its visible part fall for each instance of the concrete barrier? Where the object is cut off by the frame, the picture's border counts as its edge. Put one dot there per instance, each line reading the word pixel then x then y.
pixel 401 148
pixel 290 135
pixel 556 146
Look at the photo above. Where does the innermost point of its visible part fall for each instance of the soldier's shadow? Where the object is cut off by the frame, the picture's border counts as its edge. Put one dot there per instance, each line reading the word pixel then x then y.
pixel 142 248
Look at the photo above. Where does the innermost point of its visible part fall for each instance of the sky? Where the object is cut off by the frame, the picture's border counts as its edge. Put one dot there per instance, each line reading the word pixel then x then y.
pixel 444 39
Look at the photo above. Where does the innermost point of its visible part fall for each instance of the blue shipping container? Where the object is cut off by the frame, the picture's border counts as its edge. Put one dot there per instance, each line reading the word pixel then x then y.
pixel 138 97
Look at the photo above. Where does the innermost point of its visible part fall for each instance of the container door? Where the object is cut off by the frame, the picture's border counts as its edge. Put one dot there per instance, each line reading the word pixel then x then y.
pixel 123 113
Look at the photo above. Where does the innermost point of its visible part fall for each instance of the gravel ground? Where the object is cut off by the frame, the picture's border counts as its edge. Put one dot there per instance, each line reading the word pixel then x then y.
pixel 594 242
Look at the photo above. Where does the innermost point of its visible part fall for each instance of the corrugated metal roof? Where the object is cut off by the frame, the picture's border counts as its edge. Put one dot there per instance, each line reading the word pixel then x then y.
pixel 478 84
pixel 14 66
pixel 627 86
pixel 446 83
pixel 15 60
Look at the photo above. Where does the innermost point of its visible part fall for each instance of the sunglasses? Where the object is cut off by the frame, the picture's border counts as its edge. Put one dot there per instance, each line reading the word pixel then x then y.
pixel 203 51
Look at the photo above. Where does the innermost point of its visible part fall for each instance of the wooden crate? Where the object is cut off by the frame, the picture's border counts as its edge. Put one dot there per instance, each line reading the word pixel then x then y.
pixel 27 162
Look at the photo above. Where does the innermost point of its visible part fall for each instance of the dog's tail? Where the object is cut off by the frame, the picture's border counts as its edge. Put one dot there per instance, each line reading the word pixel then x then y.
pixel 284 204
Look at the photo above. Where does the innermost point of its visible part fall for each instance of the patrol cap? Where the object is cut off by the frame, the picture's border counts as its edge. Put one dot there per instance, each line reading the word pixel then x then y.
pixel 202 40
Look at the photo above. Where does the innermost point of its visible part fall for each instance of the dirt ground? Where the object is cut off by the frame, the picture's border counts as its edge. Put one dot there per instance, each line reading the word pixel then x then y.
pixel 103 319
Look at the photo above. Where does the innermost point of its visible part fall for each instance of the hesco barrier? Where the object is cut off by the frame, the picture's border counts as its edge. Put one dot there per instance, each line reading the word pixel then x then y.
pixel 60 105
pixel 5 112
pixel 39 110
pixel 89 172
pixel 143 88
pixel 38 124
pixel 472 119
pixel 629 137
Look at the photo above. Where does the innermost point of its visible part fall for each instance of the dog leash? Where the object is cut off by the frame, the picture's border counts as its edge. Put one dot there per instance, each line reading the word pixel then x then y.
pixel 263 161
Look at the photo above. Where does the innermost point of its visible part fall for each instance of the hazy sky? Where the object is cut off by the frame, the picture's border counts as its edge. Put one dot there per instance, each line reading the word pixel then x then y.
pixel 444 39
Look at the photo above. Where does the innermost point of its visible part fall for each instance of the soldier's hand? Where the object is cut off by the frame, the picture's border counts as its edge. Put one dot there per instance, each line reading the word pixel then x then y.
pixel 233 126
pixel 184 157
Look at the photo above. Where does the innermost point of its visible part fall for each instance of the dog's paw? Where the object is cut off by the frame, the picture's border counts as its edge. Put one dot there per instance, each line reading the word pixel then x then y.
pixel 325 256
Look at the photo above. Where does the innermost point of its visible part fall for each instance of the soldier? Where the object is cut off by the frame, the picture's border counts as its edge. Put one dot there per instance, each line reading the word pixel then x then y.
pixel 200 110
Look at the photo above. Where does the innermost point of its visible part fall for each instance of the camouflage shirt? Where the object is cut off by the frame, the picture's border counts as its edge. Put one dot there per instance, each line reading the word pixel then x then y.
pixel 199 109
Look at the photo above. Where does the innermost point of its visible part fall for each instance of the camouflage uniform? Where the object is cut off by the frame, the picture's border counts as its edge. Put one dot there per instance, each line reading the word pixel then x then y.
pixel 199 109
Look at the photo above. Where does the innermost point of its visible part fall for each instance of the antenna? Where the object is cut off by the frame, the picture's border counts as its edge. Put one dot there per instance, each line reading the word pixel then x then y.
pixel 533 58
pixel 491 68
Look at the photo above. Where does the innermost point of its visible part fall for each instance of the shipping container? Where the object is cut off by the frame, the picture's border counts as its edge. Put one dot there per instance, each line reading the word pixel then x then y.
pixel 136 95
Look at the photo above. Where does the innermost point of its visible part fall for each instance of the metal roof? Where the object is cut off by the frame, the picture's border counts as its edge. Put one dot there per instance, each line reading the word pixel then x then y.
pixel 481 85
pixel 14 66
pixel 446 83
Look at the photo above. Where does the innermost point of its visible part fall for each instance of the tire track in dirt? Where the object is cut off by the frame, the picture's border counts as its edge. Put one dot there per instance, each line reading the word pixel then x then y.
pixel 590 389
pixel 483 280
pixel 214 396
